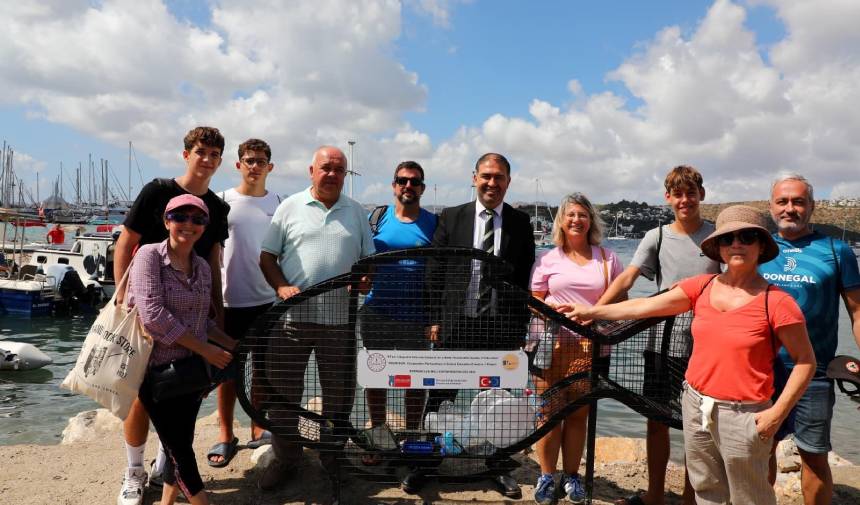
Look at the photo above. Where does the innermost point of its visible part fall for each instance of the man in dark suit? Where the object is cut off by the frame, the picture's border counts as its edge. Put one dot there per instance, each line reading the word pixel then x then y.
pixel 469 313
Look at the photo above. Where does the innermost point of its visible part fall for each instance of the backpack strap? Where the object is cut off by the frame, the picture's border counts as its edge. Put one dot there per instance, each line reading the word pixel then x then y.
pixel 374 218
pixel 658 274
pixel 836 265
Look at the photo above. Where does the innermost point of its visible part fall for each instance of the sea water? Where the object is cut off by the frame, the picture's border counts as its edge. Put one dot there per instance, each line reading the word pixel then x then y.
pixel 34 410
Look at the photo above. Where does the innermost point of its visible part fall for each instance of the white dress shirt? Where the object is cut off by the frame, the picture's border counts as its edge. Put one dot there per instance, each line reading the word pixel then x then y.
pixel 478 243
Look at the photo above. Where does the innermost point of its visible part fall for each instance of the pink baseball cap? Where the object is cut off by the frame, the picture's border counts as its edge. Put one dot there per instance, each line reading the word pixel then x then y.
pixel 186 200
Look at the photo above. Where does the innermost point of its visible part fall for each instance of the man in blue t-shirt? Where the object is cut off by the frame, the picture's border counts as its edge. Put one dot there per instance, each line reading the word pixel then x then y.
pixel 816 270
pixel 392 316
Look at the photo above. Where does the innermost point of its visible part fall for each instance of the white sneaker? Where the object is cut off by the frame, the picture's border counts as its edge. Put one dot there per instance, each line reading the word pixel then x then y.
pixel 132 486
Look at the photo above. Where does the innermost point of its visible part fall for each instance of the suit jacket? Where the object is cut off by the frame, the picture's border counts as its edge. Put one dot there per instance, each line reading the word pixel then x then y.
pixel 456 228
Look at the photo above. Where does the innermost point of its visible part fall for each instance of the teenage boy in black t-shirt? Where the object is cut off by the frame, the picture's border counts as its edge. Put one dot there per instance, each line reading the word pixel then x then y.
pixel 143 225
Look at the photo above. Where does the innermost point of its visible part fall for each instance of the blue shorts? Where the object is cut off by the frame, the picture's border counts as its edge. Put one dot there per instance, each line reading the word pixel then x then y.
pixel 814 413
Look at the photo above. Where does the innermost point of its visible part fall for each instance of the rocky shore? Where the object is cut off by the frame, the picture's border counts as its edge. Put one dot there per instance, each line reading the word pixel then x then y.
pixel 86 468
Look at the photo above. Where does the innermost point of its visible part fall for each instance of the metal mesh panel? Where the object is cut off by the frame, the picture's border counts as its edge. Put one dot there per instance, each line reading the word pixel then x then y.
pixel 431 370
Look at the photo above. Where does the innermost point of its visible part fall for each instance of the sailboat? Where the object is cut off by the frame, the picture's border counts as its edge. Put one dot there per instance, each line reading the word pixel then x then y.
pixel 542 232
pixel 615 235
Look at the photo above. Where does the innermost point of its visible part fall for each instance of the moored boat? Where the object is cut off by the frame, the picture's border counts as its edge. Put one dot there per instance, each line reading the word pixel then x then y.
pixel 30 297
pixel 91 258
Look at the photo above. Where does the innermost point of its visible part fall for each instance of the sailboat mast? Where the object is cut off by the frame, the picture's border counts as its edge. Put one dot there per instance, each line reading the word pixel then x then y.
pixel 129 170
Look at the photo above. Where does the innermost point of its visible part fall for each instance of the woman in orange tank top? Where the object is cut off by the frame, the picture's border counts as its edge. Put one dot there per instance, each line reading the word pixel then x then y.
pixel 739 323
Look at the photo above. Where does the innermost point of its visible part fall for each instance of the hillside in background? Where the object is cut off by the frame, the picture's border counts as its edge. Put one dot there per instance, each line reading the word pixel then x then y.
pixel 827 219
pixel 635 218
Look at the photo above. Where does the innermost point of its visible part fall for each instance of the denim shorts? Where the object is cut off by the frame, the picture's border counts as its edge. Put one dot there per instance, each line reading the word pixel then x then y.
pixel 814 414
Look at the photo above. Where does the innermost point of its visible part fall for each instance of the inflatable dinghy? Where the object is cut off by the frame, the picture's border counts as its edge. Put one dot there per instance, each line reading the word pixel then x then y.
pixel 21 356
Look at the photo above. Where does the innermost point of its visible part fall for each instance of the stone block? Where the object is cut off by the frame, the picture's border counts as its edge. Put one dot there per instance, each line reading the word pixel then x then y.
pixel 91 426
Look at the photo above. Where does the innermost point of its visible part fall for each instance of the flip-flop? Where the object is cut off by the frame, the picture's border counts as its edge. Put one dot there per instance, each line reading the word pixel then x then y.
pixel 224 449
pixel 265 439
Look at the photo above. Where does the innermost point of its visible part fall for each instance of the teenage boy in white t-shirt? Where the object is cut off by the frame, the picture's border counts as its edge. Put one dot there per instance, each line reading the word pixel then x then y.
pixel 668 254
pixel 247 295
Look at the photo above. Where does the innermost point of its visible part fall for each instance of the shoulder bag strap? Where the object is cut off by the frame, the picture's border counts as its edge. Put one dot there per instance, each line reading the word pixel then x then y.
pixel 605 270
pixel 773 340
pixel 693 308
pixel 123 285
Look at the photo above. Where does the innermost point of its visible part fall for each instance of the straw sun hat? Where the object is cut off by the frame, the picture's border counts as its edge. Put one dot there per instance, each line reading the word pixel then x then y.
pixel 741 217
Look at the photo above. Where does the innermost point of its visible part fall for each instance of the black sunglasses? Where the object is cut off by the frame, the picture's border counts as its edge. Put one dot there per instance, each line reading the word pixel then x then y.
pixel 746 237
pixel 181 217
pixel 401 181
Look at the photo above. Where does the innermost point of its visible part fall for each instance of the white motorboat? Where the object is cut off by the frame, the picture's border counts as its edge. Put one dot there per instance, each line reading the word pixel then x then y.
pixel 90 257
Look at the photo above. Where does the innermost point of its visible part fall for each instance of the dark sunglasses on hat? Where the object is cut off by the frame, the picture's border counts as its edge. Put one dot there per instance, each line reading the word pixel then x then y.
pixel 401 181
pixel 181 217
pixel 745 237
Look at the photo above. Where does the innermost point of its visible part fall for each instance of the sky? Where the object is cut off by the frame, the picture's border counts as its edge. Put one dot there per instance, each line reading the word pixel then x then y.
pixel 598 97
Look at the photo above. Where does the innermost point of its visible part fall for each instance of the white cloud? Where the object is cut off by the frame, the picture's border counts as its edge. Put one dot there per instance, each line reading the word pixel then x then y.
pixel 438 10
pixel 307 73
pixel 708 99
pixel 298 74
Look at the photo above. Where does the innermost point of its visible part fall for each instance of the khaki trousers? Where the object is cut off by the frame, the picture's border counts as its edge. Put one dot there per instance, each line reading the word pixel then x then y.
pixel 727 462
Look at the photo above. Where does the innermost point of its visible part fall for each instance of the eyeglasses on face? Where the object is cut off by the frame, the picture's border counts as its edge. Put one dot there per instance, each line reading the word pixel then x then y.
pixel 181 217
pixel 402 181
pixel 745 237
pixel 260 162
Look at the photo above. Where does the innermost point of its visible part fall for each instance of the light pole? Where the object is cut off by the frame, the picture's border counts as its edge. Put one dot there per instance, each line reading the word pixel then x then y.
pixel 351 168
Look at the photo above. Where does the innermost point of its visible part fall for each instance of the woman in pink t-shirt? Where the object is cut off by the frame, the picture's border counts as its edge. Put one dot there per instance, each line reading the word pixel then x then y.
pixel 576 271
pixel 738 325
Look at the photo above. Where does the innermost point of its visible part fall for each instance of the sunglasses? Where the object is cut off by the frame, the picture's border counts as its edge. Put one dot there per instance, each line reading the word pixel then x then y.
pixel 402 181
pixel 745 237
pixel 181 217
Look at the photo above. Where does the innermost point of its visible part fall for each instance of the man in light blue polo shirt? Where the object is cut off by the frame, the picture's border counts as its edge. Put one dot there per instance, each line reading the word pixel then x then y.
pixel 316 234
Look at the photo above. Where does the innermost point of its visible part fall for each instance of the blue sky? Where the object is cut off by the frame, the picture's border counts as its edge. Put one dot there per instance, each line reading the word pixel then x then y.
pixel 495 60
pixel 600 97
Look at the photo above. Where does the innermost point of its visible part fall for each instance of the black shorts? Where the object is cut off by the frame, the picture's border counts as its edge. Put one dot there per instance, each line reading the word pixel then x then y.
pixel 238 320
pixel 664 379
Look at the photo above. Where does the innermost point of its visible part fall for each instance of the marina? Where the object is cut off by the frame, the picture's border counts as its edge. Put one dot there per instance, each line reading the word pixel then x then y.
pixel 38 279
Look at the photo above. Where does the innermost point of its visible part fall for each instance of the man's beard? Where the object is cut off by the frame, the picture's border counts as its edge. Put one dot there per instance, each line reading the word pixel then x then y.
pixel 408 198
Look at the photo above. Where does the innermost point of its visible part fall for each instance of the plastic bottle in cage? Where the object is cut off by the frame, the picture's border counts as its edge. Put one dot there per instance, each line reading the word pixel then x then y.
pixel 546 342
pixel 446 407
pixel 537 404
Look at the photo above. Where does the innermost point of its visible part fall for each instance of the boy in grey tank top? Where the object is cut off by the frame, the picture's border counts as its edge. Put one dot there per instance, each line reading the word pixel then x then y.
pixel 666 255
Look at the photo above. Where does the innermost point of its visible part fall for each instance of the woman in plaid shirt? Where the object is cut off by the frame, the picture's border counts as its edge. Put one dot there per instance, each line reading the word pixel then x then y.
pixel 171 285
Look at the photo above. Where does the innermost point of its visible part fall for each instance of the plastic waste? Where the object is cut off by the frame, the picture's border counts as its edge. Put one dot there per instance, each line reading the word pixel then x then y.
pixel 545 333
pixel 482 449
pixel 500 418
pixel 416 447
pixel 447 419
pixel 448 445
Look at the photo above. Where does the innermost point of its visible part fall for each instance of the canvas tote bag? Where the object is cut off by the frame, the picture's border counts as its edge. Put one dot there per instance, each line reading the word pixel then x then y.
pixel 114 357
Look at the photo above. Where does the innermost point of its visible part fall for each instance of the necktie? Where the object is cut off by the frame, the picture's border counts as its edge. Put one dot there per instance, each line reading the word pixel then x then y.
pixel 485 291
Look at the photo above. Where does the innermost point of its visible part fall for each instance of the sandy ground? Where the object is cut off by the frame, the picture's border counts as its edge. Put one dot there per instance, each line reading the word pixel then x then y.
pixel 90 473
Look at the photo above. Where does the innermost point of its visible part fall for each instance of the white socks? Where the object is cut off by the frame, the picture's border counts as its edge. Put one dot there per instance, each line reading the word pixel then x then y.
pixel 134 455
